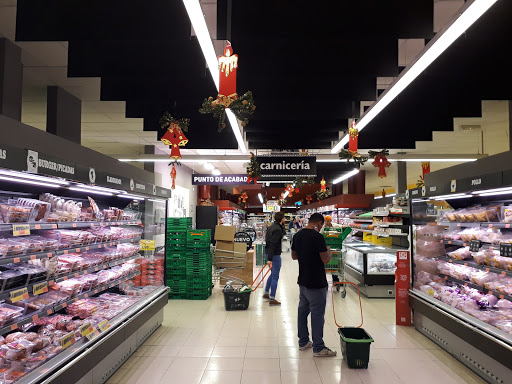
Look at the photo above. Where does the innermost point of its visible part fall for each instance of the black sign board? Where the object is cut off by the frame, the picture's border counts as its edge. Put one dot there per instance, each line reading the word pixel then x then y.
pixel 414 193
pixel 438 189
pixel 243 237
pixel 475 245
pixel 251 232
pixel 36 162
pixel 506 250
pixel 287 165
pixel 492 180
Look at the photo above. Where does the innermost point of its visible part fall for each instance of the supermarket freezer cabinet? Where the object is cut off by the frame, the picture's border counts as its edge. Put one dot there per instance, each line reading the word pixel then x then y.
pixel 371 267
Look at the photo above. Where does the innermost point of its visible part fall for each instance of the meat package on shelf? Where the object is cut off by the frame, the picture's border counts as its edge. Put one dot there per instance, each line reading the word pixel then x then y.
pixel 50 209
pixel 478 283
pixel 44 338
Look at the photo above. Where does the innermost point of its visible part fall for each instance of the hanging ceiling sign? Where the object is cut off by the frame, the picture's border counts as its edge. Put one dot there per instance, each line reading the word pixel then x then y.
pixel 287 166
pixel 209 179
pixel 271 206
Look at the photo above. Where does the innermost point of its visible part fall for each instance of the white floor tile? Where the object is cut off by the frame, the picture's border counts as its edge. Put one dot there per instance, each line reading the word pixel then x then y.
pixel 202 343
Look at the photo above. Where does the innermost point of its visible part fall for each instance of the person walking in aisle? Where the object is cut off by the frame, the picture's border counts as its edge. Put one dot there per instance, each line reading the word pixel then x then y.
pixel 308 247
pixel 273 241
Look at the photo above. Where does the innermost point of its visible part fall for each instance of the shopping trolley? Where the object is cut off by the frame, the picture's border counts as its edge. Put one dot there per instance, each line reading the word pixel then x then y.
pixel 334 238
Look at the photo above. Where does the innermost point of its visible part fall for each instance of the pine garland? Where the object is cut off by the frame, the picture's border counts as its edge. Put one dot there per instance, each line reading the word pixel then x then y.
pixel 241 107
pixel 373 154
pixel 253 169
pixel 300 181
pixel 348 155
pixel 166 120
pixel 322 195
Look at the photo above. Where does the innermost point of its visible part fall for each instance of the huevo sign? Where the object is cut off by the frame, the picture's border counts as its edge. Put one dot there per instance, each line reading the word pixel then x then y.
pixel 287 165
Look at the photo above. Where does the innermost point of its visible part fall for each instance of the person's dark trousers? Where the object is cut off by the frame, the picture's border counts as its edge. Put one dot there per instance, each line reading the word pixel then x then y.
pixel 271 286
pixel 312 301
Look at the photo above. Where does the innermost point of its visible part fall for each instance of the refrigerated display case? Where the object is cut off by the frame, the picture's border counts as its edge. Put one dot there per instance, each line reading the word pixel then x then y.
pixel 462 270
pixel 71 280
pixel 231 217
pixel 371 267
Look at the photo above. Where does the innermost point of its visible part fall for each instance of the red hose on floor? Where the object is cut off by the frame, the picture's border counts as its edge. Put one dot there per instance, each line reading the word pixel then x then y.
pixel 360 305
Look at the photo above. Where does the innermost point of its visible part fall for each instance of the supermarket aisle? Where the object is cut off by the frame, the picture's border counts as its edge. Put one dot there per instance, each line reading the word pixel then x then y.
pixel 200 342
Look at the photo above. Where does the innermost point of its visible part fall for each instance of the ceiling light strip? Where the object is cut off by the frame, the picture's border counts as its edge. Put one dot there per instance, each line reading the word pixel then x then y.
pixel 346 176
pixel 30 176
pixel 196 16
pixel 474 10
pixel 31 182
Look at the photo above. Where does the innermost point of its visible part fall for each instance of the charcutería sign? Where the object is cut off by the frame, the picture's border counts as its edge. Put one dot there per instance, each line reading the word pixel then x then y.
pixel 287 165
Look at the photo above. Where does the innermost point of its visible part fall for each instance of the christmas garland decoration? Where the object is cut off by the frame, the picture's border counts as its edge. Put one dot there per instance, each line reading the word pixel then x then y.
pixel 349 155
pixel 323 194
pixel 380 161
pixel 253 170
pixel 166 120
pixel 281 202
pixel 309 199
pixel 300 181
pixel 241 107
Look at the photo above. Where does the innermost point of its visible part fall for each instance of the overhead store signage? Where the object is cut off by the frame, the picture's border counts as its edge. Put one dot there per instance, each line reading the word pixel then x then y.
pixel 19 159
pixel 208 179
pixel 492 180
pixel 287 165
pixel 271 206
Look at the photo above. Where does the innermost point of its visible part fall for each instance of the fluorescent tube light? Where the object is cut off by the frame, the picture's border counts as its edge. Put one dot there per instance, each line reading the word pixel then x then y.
pixel 132 197
pixel 452 197
pixel 437 46
pixel 391 195
pixel 157 200
pixel 29 182
pixel 509 189
pixel 285 195
pixel 408 160
pixel 92 191
pixel 195 14
pixel 30 176
pixel 378 197
pixel 260 197
pixel 346 176
pixel 496 193
pixel 96 188
pixel 216 172
pixel 209 166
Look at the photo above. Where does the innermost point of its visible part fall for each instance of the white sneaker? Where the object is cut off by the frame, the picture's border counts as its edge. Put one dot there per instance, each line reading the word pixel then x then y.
pixel 326 352
pixel 306 346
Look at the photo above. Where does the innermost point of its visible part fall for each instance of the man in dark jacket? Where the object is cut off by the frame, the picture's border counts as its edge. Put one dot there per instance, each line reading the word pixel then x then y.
pixel 273 240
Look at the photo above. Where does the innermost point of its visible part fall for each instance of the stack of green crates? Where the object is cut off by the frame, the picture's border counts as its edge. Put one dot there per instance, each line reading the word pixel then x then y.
pixel 199 264
pixel 176 268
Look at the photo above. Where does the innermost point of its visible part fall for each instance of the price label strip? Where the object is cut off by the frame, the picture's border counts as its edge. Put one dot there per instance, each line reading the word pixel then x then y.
pixel 20 229
pixel 104 325
pixel 19 294
pixel 475 245
pixel 506 250
pixel 86 329
pixel 67 340
pixel 40 288
pixel 147 245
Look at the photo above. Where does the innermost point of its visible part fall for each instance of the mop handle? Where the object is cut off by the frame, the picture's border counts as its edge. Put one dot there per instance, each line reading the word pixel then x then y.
pixel 263 278
pixel 360 305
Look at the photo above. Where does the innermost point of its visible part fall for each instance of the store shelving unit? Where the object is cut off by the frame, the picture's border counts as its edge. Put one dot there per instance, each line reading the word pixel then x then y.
pixel 93 360
pixel 476 337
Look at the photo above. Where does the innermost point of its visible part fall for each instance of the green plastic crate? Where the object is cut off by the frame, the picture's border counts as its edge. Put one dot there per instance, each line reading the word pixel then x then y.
pixel 178 296
pixel 199 234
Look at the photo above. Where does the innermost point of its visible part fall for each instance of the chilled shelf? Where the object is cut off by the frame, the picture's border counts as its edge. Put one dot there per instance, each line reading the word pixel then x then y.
pixel 473 264
pixel 476 286
pixel 47 254
pixel 71 224
pixel 50 310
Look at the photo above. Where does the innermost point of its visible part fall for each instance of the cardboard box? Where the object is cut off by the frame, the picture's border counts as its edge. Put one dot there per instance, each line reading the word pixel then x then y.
pixel 240 249
pixel 246 273
pixel 225 233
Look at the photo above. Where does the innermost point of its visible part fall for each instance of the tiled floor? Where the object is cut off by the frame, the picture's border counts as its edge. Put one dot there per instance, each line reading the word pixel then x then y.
pixel 200 342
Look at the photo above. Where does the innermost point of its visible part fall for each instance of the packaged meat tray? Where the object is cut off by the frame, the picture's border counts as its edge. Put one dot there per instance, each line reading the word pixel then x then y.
pixel 8 313
pixel 13 213
pixel 10 247
pixel 11 279
pixel 37 303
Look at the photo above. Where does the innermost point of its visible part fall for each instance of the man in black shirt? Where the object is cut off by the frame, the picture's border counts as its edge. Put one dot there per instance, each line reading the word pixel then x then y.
pixel 273 242
pixel 308 247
